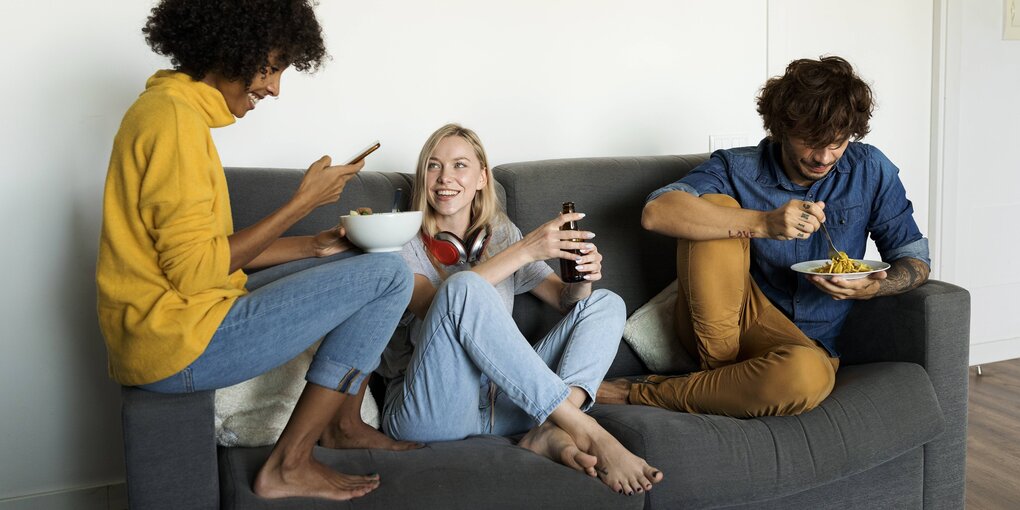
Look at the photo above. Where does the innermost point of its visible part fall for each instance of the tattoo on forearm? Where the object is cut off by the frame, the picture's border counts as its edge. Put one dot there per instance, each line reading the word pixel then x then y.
pixel 740 234
pixel 905 274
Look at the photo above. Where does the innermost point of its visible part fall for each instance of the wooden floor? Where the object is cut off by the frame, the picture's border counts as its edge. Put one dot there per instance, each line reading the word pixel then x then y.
pixel 993 437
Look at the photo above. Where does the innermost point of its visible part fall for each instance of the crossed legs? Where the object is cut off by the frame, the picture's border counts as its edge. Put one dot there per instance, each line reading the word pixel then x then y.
pixel 754 360
pixel 467 336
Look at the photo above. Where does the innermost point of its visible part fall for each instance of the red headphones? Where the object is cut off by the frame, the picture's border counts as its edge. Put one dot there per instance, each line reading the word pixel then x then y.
pixel 449 249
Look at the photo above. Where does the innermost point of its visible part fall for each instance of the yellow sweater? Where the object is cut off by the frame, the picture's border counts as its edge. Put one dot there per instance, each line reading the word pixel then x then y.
pixel 162 274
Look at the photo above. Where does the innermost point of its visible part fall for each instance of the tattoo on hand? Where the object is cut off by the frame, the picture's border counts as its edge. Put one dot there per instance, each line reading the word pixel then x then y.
pixel 804 216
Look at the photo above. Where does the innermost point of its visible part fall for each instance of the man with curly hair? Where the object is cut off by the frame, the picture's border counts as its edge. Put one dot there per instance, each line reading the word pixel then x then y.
pixel 177 312
pixel 766 338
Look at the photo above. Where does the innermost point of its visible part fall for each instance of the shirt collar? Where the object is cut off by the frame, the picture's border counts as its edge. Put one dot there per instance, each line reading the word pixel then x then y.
pixel 771 171
pixel 205 99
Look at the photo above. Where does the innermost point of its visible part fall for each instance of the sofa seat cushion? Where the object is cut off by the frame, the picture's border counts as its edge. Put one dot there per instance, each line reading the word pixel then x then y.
pixel 876 412
pixel 488 472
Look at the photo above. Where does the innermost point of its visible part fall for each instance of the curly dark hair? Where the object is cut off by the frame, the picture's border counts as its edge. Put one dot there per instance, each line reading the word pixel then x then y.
pixel 235 37
pixel 819 101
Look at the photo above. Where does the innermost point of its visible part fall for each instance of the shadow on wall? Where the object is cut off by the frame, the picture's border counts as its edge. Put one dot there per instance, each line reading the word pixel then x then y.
pixel 92 436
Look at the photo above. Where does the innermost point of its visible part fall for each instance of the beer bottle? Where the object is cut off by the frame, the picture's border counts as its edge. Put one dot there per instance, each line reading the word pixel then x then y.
pixel 568 268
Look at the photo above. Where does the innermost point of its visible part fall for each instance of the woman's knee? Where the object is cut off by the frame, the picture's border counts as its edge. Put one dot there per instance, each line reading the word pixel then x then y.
pixel 462 290
pixel 395 264
pixel 394 272
pixel 463 281
pixel 608 302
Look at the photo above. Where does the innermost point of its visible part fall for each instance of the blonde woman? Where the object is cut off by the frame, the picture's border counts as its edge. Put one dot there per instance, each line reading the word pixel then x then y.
pixel 465 368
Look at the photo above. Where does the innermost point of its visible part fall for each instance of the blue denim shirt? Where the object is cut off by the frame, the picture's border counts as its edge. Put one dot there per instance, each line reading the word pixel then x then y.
pixel 863 195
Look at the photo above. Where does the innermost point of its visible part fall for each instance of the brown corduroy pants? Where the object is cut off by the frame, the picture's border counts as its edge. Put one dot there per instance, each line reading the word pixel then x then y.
pixel 754 360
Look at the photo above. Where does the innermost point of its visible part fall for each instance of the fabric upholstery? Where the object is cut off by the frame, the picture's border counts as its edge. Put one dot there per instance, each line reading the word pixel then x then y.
pixel 926 326
pixel 892 435
pixel 875 413
pixel 486 472
pixel 169 450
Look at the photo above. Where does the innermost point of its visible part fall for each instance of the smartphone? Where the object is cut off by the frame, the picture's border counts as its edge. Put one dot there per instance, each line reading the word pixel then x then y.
pixel 368 150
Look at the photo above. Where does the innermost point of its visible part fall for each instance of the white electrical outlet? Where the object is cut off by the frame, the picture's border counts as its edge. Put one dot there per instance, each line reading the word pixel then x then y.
pixel 1011 19
pixel 716 142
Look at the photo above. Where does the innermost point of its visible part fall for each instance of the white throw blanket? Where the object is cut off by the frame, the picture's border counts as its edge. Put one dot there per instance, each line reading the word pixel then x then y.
pixel 254 412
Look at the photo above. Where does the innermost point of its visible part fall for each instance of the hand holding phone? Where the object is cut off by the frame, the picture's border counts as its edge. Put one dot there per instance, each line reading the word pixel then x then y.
pixel 363 154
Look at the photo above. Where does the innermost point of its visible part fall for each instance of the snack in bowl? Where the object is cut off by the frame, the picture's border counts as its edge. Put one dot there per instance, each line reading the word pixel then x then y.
pixel 380 232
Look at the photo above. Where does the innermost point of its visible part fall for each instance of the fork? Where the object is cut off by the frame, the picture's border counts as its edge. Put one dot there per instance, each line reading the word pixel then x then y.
pixel 833 252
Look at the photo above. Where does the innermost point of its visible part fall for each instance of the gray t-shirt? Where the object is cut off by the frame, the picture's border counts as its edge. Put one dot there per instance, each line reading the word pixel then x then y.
pixel 398 353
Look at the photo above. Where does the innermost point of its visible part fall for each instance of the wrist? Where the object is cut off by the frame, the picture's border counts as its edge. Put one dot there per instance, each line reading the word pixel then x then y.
pixel 760 227
pixel 519 255
pixel 297 207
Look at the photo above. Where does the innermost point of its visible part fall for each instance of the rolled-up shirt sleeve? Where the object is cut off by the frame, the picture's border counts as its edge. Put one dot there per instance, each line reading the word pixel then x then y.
pixel 708 177
pixel 892 224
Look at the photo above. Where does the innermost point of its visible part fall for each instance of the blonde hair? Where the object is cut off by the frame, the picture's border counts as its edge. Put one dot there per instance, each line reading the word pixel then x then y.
pixel 485 207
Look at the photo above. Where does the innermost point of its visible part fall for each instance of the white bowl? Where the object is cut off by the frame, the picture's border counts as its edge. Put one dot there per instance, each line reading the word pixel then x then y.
pixel 382 232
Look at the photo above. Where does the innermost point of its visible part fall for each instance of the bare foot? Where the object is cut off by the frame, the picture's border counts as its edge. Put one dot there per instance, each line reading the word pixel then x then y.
pixel 553 442
pixel 616 391
pixel 621 470
pixel 310 478
pixel 361 435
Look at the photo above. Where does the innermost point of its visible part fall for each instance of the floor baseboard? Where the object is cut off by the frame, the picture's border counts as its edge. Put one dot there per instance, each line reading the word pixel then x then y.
pixel 990 352
pixel 105 497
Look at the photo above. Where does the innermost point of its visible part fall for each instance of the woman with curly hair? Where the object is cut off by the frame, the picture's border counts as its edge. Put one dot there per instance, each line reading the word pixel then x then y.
pixel 178 313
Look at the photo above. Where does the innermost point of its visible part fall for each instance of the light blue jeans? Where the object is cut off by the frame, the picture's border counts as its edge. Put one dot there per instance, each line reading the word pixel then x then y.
pixel 353 302
pixel 473 372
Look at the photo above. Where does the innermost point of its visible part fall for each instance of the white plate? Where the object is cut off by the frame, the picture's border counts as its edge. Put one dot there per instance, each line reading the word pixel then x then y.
pixel 809 266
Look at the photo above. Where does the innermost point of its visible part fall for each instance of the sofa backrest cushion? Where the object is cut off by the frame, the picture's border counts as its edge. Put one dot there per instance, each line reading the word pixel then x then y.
pixel 611 192
pixel 257 192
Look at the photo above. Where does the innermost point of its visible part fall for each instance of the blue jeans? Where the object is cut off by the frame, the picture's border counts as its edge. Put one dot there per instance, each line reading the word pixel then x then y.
pixel 353 302
pixel 473 372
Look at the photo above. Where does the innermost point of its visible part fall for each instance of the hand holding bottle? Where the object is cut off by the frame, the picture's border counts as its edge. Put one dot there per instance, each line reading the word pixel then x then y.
pixel 586 262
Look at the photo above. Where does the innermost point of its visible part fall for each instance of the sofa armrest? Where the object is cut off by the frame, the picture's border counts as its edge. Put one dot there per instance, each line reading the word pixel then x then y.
pixel 170 450
pixel 929 326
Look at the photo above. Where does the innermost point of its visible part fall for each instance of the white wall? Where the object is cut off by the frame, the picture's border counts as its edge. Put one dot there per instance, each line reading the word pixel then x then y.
pixel 980 201
pixel 890 45
pixel 536 78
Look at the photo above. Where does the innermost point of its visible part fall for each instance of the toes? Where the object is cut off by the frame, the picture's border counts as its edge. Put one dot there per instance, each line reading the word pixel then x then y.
pixel 626 490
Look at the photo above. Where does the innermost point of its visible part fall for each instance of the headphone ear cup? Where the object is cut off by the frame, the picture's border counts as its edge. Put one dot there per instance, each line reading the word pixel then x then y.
pixel 477 244
pixel 447 248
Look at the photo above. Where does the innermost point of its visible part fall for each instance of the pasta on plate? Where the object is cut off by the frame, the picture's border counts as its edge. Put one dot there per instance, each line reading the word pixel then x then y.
pixel 841 263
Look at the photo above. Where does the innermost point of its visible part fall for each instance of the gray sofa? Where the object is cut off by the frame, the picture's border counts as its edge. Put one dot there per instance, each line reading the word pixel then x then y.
pixel 891 435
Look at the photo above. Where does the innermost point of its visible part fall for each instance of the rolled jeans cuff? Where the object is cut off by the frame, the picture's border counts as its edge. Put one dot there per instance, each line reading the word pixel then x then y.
pixel 543 414
pixel 336 376
pixel 588 402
